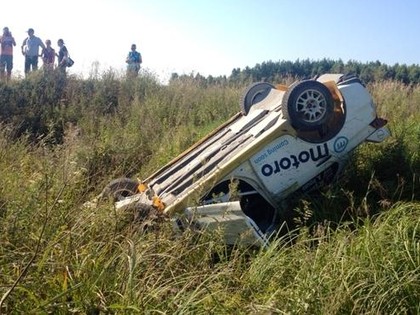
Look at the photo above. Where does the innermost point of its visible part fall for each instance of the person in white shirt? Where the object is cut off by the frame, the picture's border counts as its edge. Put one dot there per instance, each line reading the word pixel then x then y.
pixel 30 49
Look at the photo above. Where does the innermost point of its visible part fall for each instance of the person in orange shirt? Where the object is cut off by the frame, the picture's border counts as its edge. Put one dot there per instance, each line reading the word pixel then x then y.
pixel 6 53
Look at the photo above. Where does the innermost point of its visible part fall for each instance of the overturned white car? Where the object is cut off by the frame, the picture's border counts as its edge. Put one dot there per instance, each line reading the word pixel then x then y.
pixel 285 141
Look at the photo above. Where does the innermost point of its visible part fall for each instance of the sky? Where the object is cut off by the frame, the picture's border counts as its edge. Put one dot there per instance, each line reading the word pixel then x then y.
pixel 213 37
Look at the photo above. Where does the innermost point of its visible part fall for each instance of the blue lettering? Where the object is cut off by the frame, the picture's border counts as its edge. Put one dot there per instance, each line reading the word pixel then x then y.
pixel 295 161
pixel 320 155
pixel 277 147
pixel 260 158
pixel 277 169
pixel 267 170
pixel 304 156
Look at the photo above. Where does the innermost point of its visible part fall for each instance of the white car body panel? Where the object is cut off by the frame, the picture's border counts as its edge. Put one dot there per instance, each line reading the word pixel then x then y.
pixel 263 150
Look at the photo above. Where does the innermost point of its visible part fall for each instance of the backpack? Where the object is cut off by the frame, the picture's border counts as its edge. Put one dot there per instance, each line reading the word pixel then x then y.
pixel 135 56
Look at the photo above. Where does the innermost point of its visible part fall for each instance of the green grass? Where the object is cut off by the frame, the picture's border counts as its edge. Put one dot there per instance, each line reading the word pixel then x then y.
pixel 356 249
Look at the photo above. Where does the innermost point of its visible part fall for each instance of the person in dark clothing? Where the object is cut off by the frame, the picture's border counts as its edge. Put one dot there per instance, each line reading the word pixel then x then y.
pixel 62 55
pixel 48 56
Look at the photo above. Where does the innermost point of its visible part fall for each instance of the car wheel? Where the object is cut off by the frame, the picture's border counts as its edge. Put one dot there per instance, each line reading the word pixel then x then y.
pixel 120 188
pixel 254 94
pixel 308 104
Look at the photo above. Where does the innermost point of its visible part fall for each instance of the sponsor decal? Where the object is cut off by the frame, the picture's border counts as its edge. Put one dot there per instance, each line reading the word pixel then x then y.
pixel 294 161
pixel 277 147
pixel 270 151
pixel 340 144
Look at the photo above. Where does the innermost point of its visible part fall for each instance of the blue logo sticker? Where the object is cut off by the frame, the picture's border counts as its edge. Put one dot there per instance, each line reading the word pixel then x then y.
pixel 340 144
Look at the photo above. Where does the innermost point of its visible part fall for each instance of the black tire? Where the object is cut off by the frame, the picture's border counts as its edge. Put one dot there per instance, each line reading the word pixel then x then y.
pixel 254 94
pixel 308 105
pixel 120 188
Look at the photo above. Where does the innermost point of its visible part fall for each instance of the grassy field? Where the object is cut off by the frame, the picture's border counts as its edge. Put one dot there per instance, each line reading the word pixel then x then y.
pixel 356 249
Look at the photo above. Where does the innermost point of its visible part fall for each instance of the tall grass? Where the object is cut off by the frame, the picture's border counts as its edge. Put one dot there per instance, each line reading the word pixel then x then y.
pixel 356 251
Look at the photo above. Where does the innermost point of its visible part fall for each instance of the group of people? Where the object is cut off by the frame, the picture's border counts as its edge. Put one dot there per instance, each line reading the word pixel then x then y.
pixel 32 48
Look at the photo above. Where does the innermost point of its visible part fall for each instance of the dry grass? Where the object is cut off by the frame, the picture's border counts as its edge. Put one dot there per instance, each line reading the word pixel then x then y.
pixel 357 250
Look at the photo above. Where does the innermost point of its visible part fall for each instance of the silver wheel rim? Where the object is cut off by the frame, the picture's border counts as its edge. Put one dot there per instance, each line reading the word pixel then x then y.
pixel 311 106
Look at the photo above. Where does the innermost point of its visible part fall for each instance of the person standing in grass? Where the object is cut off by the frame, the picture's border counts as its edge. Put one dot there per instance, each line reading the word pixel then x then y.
pixel 30 49
pixel 62 55
pixel 133 61
pixel 48 56
pixel 6 54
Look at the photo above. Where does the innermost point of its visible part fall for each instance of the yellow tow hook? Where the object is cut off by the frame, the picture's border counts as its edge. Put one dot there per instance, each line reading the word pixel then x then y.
pixel 141 187
pixel 158 203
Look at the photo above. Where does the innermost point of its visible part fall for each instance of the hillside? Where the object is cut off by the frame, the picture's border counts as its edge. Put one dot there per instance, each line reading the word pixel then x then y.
pixel 356 249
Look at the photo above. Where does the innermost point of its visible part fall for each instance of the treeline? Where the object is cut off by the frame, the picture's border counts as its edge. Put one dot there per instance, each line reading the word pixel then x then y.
pixel 271 71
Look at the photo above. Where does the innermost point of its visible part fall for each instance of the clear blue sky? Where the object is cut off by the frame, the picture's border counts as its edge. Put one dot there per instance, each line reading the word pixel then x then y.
pixel 212 37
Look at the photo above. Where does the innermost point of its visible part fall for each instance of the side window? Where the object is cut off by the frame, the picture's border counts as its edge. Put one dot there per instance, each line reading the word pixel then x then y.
pixel 229 190
pixel 252 203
